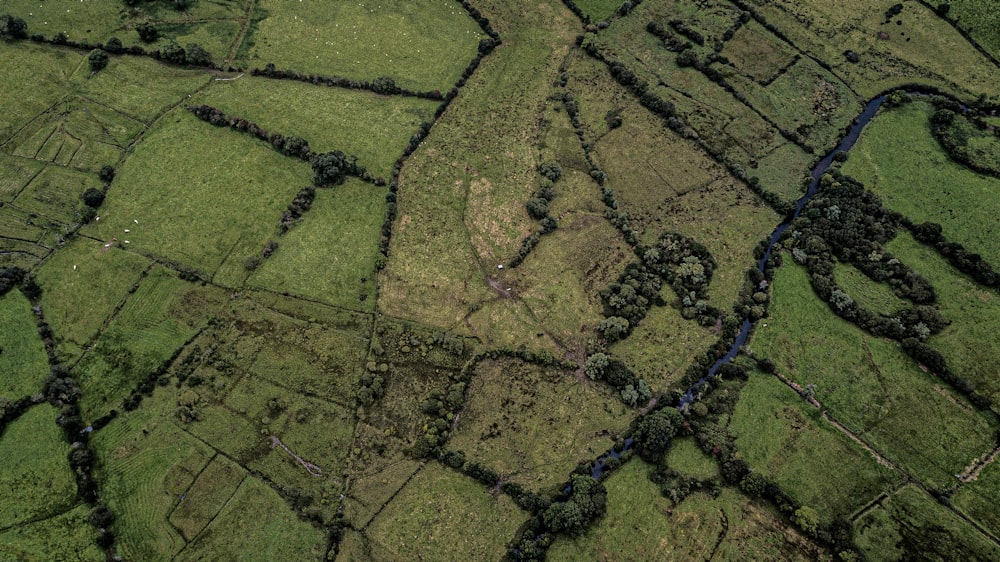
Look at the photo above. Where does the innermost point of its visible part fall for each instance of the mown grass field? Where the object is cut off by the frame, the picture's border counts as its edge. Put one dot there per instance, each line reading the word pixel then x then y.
pixel 83 283
pixel 968 344
pixel 869 385
pixel 786 439
pixel 374 128
pixel 898 158
pixel 910 524
pixel 423 45
pixel 533 425
pixel 22 360
pixel 641 525
pixel 331 255
pixel 68 535
pixel 420 522
pixel 37 481
pixel 201 195
pixel 157 319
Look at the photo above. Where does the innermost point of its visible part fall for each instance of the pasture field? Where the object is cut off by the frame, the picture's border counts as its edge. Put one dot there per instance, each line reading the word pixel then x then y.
pixel 873 295
pixel 22 360
pixel 898 158
pixel 870 385
pixel 687 458
pixel 139 87
pixel 240 533
pixel 214 35
pixel 598 10
pixel 202 195
pixel 978 499
pixel 331 255
pixel 90 22
pixel 156 320
pixel 787 440
pixel 15 173
pixel 67 536
pixel 423 44
pixel 532 424
pixel 215 485
pixel 35 78
pixel 782 171
pixel 923 48
pixel 56 194
pixel 196 10
pixel 641 525
pixel 911 524
pixel 420 523
pixel 146 463
pixel 372 127
pixel 968 343
pixel 757 53
pixel 34 474
pixel 83 283
pixel 980 19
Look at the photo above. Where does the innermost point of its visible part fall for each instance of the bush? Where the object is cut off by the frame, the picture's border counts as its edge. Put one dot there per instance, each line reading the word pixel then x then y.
pixel 98 59
pixel 147 32
pixel 93 197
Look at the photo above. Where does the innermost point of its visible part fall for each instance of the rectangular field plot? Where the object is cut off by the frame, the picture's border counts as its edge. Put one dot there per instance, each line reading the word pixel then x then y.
pixel 215 36
pixel 422 44
pixel 374 128
pixel 640 525
pixel 15 173
pixel 431 517
pixel 82 284
pixel 979 499
pixel 68 534
pixel 533 425
pixel 200 503
pixel 330 256
pixel 34 79
pixel 981 19
pixel 34 475
pixel 758 54
pixel 870 385
pixel 192 192
pixel 56 193
pixel 23 363
pixel 785 439
pixel 155 321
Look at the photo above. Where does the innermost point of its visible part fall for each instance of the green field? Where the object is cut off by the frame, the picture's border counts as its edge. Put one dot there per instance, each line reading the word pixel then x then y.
pixel 968 343
pixel 22 360
pixel 978 499
pixel 598 10
pixel 423 44
pixel 687 458
pixel 533 425
pixel 180 187
pixel 420 522
pixel 640 525
pixel 330 257
pixel 873 295
pixel 898 158
pixel 64 537
pixel 911 525
pixel 35 78
pixel 980 19
pixel 869 385
pixel 374 128
pixel 786 440
pixel 34 474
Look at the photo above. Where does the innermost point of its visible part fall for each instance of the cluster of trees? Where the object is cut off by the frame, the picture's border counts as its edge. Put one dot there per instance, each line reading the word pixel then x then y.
pixel 677 487
pixel 623 9
pixel 13 27
pixel 967 262
pixel 633 390
pixel 371 384
pixel 192 54
pixel 303 202
pixel 384 85
pixel 687 31
pixel 670 41
pixel 953 130
pixel 538 209
pixel 587 503
pixel 654 432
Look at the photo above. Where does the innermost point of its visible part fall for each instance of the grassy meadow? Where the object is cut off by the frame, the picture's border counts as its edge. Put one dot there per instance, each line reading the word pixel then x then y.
pixel 980 19
pixel 22 360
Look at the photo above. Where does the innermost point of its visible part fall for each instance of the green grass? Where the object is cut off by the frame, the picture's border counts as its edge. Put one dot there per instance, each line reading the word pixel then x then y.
pixel 641 525
pixel 686 457
pixel 869 385
pixel 90 22
pixel 240 532
pixel 598 10
pixel 15 173
pixel 978 499
pixel 898 158
pixel 374 128
pixel 980 19
pixel 757 53
pixel 56 194
pixel 139 87
pixel 782 171
pixel 196 9
pixel 201 194
pixel 64 537
pixel 34 473
pixel 216 36
pixel 422 44
pixel 911 525
pixel 215 485
pixel 156 320
pixel 430 518
pixel 786 440
pixel 331 255
pixel 533 425
pixel 22 360
pixel 969 343
pixel 873 295
pixel 82 284
pixel 145 463
pixel 35 78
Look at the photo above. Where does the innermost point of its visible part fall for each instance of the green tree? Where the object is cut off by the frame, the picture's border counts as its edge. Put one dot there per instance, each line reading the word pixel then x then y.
pixel 197 55
pixel 807 519
pixel 654 432
pixel 147 32
pixel 595 364
pixel 97 59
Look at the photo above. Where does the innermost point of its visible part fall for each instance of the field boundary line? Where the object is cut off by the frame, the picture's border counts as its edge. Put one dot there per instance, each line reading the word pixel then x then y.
pixel 242 35
pixel 39 519
pixel 364 527
pixel 30 121
pixel 214 517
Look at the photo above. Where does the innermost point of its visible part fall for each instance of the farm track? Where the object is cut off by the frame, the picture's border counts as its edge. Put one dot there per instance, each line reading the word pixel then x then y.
pixel 241 37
